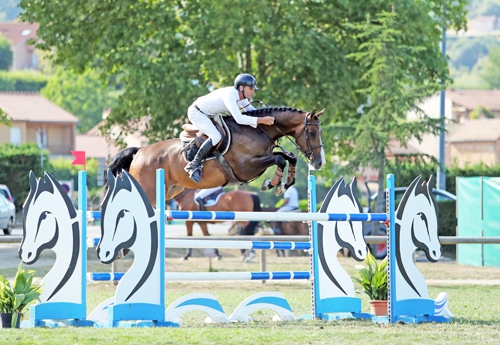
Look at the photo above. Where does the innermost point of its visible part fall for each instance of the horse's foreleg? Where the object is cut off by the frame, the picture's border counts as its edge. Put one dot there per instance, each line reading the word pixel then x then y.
pixel 204 228
pixel 275 159
pixel 292 167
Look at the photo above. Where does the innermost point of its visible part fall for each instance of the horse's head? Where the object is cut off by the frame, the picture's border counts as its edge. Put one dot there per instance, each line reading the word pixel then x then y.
pixel 46 211
pixel 308 138
pixel 342 198
pixel 418 210
pixel 119 221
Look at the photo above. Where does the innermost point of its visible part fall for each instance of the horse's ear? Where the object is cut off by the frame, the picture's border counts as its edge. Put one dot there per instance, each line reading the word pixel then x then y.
pixel 311 114
pixel 32 181
pixel 320 113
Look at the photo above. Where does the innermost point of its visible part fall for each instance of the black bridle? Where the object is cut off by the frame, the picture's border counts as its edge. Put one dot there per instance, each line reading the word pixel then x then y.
pixel 309 154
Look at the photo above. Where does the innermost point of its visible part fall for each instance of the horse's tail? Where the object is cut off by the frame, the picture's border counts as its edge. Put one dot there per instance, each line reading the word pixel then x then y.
pixel 251 227
pixel 121 161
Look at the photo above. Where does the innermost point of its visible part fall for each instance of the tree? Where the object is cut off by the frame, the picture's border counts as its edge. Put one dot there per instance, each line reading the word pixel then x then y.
pixel 4 118
pixel 307 54
pixel 5 53
pixel 83 95
pixel 491 72
pixel 168 55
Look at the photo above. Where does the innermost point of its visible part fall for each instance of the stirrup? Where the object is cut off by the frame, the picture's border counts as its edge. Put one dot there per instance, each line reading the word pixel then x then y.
pixel 195 174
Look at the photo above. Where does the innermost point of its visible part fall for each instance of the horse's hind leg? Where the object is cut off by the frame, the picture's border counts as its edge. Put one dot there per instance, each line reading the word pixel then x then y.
pixel 189 229
pixel 189 252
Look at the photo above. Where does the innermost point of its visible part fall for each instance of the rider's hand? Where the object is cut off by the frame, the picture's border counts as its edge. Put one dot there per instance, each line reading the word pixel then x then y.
pixel 267 120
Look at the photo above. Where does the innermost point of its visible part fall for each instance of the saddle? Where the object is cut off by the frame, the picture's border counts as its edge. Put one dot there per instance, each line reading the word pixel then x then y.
pixel 192 138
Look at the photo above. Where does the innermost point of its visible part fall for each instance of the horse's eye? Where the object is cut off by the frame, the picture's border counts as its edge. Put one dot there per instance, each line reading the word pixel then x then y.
pixel 313 133
pixel 422 216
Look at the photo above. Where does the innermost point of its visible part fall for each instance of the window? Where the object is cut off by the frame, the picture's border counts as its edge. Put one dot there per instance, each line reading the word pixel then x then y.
pixel 15 135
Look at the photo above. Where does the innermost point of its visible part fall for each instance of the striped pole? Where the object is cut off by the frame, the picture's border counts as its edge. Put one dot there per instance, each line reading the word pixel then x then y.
pixel 93 241
pixel 275 216
pixel 214 276
pixel 265 216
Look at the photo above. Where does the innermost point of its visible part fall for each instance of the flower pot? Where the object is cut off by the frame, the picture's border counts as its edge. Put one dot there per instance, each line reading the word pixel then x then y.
pixel 378 308
pixel 7 320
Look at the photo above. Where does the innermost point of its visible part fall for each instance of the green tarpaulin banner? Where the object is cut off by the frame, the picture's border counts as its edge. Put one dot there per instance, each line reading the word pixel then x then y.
pixel 478 213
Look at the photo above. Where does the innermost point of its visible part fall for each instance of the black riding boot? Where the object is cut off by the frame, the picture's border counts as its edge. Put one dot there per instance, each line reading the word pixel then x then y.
pixel 193 168
pixel 201 204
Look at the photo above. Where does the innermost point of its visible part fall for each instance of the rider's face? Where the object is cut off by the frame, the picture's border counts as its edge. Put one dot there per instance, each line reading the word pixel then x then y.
pixel 248 91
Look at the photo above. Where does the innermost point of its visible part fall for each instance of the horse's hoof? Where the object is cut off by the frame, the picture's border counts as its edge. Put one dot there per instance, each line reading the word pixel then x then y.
pixel 250 257
pixel 279 190
pixel 265 185
pixel 184 258
pixel 218 258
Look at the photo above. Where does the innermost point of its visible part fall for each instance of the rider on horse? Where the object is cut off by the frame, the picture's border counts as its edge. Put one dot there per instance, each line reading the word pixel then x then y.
pixel 221 100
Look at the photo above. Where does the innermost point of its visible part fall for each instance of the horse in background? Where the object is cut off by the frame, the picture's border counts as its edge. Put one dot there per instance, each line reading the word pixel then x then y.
pixel 236 201
pixel 287 228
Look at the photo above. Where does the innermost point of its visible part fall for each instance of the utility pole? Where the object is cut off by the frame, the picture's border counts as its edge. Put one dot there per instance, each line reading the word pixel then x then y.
pixel 441 176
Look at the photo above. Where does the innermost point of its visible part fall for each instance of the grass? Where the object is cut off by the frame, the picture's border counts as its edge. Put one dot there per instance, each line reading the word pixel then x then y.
pixel 476 306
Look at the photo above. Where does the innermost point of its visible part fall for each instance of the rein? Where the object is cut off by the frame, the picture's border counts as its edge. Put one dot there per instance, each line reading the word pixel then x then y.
pixel 309 153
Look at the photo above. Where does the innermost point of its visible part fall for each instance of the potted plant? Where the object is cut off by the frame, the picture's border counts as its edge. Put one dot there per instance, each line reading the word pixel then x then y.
pixel 373 281
pixel 13 298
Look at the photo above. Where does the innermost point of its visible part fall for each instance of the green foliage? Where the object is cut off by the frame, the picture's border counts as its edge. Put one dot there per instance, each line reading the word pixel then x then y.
pixel 6 53
pixel 83 95
pixel 63 170
pixel 480 169
pixel 373 278
pixel 14 298
pixel 399 69
pixel 15 165
pixel 474 61
pixel 447 222
pixel 480 112
pixel 406 168
pixel 22 81
pixel 4 118
pixel 491 72
pixel 167 54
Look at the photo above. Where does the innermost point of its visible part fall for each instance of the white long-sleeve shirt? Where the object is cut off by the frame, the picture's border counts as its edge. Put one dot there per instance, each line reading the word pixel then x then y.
pixel 226 99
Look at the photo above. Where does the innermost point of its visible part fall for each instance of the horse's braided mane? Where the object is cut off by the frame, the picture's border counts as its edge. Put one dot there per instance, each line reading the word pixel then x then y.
pixel 265 111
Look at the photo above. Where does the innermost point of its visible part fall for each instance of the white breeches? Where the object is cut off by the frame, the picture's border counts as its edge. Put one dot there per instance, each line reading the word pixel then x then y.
pixel 204 124
pixel 203 193
pixel 287 208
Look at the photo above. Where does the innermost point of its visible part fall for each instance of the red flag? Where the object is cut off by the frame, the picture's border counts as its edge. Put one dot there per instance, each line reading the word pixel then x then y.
pixel 79 158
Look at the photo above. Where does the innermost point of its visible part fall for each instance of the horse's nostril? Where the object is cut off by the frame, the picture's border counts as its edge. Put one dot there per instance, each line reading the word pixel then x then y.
pixel 107 253
pixel 29 255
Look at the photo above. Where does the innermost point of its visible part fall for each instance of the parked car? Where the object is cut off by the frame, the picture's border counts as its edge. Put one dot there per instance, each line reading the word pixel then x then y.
pixel 7 215
pixel 6 192
pixel 439 194
pixel 380 250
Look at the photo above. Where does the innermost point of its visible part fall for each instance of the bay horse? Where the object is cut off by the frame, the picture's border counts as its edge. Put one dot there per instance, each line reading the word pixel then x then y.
pixel 249 155
pixel 236 200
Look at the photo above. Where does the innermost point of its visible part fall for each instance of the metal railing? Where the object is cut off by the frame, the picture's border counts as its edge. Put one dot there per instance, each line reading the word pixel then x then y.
pixel 369 239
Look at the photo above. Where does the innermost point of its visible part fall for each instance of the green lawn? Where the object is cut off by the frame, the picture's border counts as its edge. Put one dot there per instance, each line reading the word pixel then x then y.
pixel 476 307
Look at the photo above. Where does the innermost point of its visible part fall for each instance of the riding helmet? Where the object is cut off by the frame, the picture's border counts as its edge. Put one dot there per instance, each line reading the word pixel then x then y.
pixel 245 79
